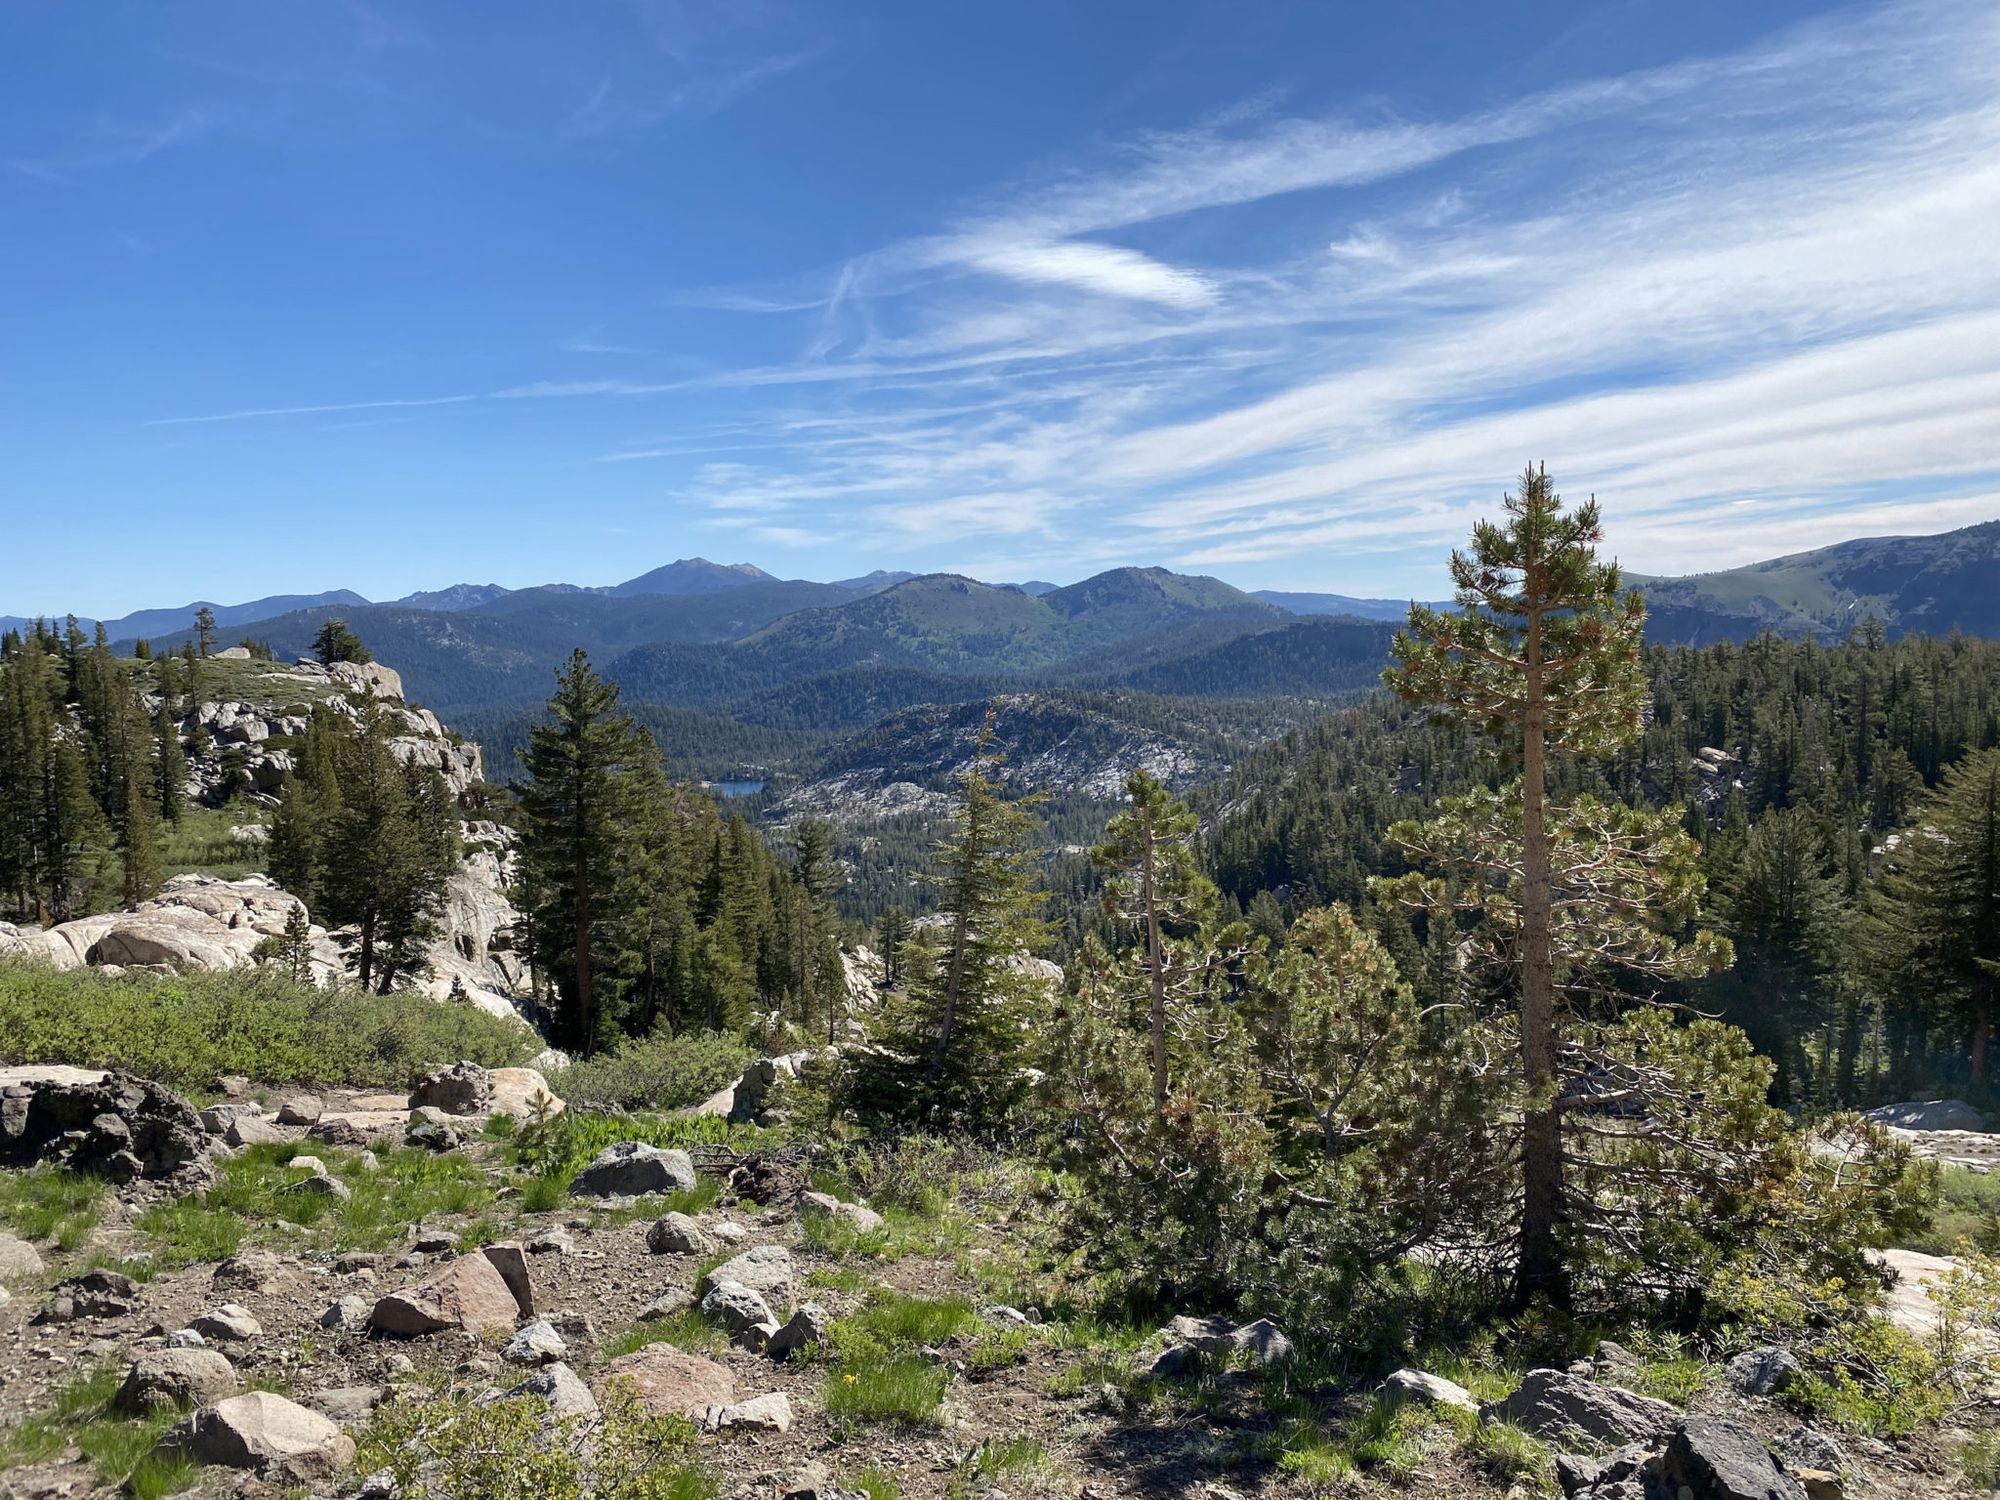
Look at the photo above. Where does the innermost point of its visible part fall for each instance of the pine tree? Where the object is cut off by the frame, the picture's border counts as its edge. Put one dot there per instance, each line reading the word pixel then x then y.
pixel 204 631
pixel 335 642
pixel 1543 654
pixel 957 1053
pixel 1934 927
pixel 892 931
pixel 577 834
pixel 141 849
pixel 1155 885
pixel 815 876
pixel 170 763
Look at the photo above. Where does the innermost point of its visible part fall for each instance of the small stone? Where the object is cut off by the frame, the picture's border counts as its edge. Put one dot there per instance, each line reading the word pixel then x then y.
pixel 319 1184
pixel 552 1242
pixel 1761 1372
pixel 755 1339
pixel 557 1384
pixel 186 1338
pixel 19 1260
pixel 677 1234
pixel 735 1306
pixel 772 1413
pixel 174 1377
pixel 1174 1362
pixel 400 1364
pixel 535 1343
pixel 666 1305
pixel 809 1325
pixel 730 1232
pixel 1407 1385
pixel 347 1315
pixel 231 1323
pixel 767 1268
pixel 252 1130
pixel 299 1109
pixel 248 1271
pixel 306 1164
pixel 1001 1313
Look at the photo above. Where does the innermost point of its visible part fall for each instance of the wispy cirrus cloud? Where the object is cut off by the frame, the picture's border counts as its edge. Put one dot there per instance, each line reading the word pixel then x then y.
pixel 1749 299
pixel 115 143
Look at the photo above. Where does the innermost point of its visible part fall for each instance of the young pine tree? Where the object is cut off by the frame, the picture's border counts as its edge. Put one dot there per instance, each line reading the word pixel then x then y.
pixel 957 1053
pixel 577 835
pixel 1543 653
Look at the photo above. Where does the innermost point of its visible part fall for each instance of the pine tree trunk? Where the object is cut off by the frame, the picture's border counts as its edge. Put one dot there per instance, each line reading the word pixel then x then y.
pixel 1541 1270
pixel 1155 959
pixel 586 1021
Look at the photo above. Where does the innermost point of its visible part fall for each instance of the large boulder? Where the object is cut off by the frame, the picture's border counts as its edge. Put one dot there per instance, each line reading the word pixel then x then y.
pixel 19 1260
pixel 735 1306
pixel 119 1126
pixel 1710 1459
pixel 468 1292
pixel 522 1093
pixel 765 1269
pixel 175 1377
pixel 677 1234
pixel 1560 1408
pixel 260 1431
pixel 464 1088
pixel 1927 1114
pixel 631 1169
pixel 670 1382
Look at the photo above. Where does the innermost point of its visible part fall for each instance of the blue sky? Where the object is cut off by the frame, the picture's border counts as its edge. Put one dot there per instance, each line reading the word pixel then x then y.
pixel 303 296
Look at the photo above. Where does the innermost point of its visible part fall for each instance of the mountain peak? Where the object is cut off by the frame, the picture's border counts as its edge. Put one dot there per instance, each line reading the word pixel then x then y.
pixel 692 575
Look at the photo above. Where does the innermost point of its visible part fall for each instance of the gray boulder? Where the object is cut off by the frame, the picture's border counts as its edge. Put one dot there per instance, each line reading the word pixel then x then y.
pixel 535 1343
pixel 464 1088
pixel 349 1314
pixel 735 1306
pixel 1559 1407
pixel 174 1377
pixel 1407 1386
pixel 677 1234
pixel 1710 1459
pixel 765 1269
pixel 632 1169
pixel 19 1260
pixel 809 1325
pixel 772 1413
pixel 558 1386
pixel 1761 1372
pixel 231 1323
pixel 263 1432
pixel 1927 1114
pixel 299 1109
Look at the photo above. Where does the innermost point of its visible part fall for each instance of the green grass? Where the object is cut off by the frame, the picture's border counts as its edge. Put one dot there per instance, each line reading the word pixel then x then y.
pixel 255 1190
pixel 877 1484
pixel 188 1030
pixel 850 1279
pixel 684 1330
pixel 49 1204
pixel 118 1447
pixel 1968 1213
pixel 1510 1455
pixel 200 842
pixel 897 1320
pixel 704 1194
pixel 882 1387
pixel 998 1458
pixel 1979 1457
pixel 902 1232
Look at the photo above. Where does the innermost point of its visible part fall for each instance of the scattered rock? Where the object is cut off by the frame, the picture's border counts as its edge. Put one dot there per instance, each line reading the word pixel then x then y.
pixel 19 1260
pixel 535 1343
pixel 468 1293
pixel 1761 1372
pixel 552 1242
pixel 335 1131
pixel 1804 1448
pixel 511 1261
pixel 809 1325
pixel 252 1130
pixel 1618 1475
pixel 300 1109
pixel 94 1294
pixel 262 1432
pixel 1262 1341
pixel 248 1271
pixel 348 1314
pixel 1558 1407
pixel 1406 1386
pixel 772 1413
pixel 1175 1362
pixel 322 1185
pixel 677 1234
pixel 230 1323
pixel 464 1088
pixel 118 1126
pixel 825 1205
pixel 670 1382
pixel 735 1306
pixel 557 1384
pixel 186 1338
pixel 432 1135
pixel 633 1169
pixel 755 1338
pixel 349 1405
pixel 1710 1459
pixel 666 1305
pixel 764 1269
pixel 174 1377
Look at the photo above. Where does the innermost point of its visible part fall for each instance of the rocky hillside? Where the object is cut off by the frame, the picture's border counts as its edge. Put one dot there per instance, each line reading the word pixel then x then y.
pixel 243 736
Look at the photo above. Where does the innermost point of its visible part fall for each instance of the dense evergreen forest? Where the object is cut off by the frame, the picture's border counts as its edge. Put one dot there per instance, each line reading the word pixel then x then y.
pixel 1804 769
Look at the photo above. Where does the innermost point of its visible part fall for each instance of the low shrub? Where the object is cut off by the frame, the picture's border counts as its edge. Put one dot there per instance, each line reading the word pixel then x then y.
pixel 190 1029
pixel 656 1072
pixel 452 1448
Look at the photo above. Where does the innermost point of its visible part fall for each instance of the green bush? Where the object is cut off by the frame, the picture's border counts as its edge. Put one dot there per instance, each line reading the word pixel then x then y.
pixel 190 1029
pixel 657 1072
pixel 450 1448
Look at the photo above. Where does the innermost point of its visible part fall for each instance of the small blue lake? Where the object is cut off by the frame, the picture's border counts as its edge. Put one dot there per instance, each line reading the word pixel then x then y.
pixel 736 788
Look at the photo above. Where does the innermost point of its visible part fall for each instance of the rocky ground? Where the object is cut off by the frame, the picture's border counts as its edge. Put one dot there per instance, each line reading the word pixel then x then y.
pixel 816 1345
